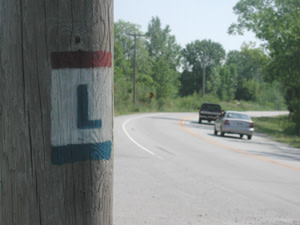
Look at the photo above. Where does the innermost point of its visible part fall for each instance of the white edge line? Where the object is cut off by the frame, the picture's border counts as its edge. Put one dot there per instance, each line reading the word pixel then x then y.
pixel 135 142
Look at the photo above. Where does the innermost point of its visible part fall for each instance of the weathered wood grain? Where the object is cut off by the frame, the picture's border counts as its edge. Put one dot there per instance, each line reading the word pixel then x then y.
pixel 33 189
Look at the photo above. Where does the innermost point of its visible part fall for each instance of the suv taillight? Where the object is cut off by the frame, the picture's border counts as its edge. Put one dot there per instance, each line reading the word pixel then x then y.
pixel 226 122
pixel 252 125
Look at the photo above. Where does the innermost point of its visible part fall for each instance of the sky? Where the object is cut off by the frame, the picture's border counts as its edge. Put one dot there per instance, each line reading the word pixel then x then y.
pixel 189 20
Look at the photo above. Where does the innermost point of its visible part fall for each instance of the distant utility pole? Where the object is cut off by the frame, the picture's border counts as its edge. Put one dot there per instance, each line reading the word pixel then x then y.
pixel 205 62
pixel 56 112
pixel 134 66
pixel 203 80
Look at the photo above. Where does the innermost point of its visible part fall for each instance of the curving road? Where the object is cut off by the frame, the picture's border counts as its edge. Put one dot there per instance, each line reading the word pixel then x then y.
pixel 170 170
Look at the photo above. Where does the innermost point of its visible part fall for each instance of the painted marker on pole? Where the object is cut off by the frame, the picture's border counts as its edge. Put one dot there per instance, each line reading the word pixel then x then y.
pixel 81 81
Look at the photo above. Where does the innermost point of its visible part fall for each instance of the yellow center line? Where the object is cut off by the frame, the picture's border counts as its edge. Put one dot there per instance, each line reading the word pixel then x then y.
pixel 183 127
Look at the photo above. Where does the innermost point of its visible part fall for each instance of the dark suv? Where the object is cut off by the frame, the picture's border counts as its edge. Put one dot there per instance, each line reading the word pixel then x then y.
pixel 209 112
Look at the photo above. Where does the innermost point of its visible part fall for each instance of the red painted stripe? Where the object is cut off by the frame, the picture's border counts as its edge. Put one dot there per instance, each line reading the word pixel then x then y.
pixel 81 59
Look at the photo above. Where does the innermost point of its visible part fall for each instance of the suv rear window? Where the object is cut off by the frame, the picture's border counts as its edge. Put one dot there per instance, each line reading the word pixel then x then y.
pixel 210 108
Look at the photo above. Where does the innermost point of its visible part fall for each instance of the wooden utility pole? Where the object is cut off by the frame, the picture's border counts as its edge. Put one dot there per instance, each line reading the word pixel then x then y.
pixel 56 112
pixel 205 62
pixel 134 72
pixel 134 66
pixel 203 79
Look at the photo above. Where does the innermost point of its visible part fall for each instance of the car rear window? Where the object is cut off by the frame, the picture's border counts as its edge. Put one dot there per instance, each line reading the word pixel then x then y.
pixel 211 108
pixel 238 116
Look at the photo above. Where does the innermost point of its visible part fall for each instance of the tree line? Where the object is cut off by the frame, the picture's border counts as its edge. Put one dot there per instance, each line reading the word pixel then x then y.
pixel 268 75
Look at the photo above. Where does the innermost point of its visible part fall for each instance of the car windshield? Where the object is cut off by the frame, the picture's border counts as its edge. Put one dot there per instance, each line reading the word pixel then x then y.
pixel 211 108
pixel 238 116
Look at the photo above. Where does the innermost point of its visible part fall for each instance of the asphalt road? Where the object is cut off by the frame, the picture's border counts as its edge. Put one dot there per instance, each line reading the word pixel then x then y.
pixel 170 170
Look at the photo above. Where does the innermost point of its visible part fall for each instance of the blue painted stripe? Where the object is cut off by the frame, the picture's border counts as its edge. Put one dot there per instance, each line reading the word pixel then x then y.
pixel 81 152
pixel 83 121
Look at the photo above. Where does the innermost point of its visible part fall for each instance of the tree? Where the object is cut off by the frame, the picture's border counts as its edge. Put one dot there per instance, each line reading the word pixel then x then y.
pixel 162 44
pixel 165 53
pixel 228 81
pixel 122 31
pixel 56 112
pixel 200 58
pixel 277 23
pixel 124 64
pixel 249 64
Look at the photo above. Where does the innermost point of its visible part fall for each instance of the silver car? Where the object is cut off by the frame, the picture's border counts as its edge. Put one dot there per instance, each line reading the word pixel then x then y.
pixel 234 123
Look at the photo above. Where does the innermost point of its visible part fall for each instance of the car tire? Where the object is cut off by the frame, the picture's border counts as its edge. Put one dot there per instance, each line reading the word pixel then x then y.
pixel 249 137
pixel 200 121
pixel 241 136
pixel 222 133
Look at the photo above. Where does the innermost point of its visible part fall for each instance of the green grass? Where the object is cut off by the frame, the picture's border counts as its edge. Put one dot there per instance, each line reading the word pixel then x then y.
pixel 278 129
pixel 187 104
